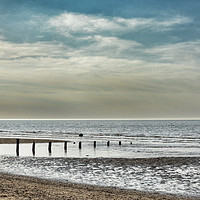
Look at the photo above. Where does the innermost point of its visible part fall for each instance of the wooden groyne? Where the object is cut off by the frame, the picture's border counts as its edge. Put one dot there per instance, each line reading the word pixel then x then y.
pixel 17 141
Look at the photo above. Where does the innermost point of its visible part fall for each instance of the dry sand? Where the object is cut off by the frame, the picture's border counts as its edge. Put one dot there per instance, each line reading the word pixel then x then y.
pixel 21 187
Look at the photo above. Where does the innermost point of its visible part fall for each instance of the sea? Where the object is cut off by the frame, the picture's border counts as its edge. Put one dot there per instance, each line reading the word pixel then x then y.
pixel 115 139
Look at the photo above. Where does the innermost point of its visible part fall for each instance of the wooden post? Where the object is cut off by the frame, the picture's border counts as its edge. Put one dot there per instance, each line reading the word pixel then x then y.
pixel 120 143
pixel 33 148
pixel 65 146
pixel 79 145
pixel 49 148
pixel 17 147
pixel 95 144
pixel 108 143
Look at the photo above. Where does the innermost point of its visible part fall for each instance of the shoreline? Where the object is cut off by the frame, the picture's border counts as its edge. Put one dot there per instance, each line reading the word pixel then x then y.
pixel 24 187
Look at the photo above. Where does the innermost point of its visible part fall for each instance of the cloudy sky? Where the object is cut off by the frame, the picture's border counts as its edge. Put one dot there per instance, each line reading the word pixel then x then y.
pixel 99 59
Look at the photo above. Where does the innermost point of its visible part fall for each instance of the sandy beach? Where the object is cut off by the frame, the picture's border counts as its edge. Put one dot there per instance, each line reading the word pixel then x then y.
pixel 24 187
pixel 21 187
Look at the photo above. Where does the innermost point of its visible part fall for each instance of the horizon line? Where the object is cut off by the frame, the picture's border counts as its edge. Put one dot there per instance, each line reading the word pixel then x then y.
pixel 60 119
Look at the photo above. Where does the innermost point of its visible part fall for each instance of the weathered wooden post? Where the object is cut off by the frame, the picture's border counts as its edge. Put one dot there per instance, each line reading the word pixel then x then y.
pixel 95 144
pixel 49 148
pixel 108 143
pixel 33 148
pixel 65 146
pixel 120 143
pixel 80 146
pixel 17 147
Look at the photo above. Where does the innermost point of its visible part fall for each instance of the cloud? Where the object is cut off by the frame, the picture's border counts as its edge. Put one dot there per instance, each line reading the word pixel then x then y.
pixel 153 23
pixel 2 37
pixel 94 68
pixel 53 84
pixel 54 72
pixel 87 35
pixel 14 51
pixel 99 35
pixel 112 47
pixel 115 42
pixel 71 23
pixel 170 22
pixel 184 53
pixel 73 64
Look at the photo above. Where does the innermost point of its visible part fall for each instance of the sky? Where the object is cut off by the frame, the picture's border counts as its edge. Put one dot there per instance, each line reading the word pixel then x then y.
pixel 74 59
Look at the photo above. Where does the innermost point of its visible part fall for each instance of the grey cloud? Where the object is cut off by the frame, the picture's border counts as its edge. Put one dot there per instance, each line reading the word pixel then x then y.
pixel 98 73
pixel 186 53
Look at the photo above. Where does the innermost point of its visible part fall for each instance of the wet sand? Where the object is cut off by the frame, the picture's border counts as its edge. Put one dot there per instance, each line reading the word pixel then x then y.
pixel 13 140
pixel 22 187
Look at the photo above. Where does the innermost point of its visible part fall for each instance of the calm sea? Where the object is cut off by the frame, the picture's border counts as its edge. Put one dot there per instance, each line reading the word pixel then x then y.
pixel 139 138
